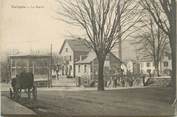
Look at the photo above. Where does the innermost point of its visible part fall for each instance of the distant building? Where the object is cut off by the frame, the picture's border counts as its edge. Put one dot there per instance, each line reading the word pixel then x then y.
pixel 165 66
pixel 71 51
pixel 147 66
pixel 37 64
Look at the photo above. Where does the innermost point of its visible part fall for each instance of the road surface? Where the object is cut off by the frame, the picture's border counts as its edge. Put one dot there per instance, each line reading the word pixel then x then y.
pixel 122 102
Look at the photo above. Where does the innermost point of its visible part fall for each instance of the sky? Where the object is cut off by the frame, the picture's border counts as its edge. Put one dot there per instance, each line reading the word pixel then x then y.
pixel 32 25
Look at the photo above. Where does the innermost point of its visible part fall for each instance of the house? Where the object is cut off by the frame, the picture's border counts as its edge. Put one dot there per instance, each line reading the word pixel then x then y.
pixel 88 68
pixel 147 66
pixel 71 51
pixel 165 65
pixel 39 65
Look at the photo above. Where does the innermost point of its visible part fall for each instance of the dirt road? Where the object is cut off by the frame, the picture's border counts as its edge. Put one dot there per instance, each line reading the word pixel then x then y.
pixel 134 102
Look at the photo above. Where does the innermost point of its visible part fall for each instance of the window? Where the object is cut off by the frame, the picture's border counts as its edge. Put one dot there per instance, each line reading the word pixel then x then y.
pixel 153 64
pixel 169 57
pixel 165 64
pixel 79 67
pixel 13 63
pixel 70 58
pixel 148 64
pixel 148 71
pixel 85 68
pixel 66 49
pixel 70 67
pixel 142 65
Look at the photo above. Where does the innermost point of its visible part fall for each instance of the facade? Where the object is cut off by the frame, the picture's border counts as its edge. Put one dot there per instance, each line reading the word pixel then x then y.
pixel 88 68
pixel 71 51
pixel 37 64
pixel 79 60
pixel 166 64
pixel 147 65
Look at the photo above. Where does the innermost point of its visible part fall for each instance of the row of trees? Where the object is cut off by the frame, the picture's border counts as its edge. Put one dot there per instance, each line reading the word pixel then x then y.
pixel 163 13
pixel 106 22
pixel 152 43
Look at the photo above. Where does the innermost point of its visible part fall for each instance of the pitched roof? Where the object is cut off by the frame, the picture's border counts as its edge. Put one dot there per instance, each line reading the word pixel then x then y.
pixel 90 57
pixel 77 45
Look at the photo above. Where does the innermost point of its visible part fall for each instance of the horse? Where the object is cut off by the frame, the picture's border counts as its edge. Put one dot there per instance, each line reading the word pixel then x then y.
pixel 25 80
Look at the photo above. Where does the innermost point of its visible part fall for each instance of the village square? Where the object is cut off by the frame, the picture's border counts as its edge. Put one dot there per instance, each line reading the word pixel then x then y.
pixel 120 62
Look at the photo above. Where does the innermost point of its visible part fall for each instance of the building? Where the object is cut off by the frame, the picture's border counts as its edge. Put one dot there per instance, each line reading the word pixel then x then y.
pixel 165 66
pixel 147 66
pixel 79 60
pixel 39 65
pixel 71 51
pixel 88 67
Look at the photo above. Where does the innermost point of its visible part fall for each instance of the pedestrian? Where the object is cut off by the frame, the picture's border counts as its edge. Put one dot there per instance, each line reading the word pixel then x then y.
pixel 123 83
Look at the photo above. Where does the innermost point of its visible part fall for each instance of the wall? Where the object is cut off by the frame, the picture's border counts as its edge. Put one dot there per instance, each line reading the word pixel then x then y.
pixel 166 69
pixel 82 72
pixel 144 67
pixel 66 57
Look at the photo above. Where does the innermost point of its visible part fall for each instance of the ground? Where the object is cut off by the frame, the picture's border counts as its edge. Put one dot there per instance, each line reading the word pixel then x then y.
pixel 122 102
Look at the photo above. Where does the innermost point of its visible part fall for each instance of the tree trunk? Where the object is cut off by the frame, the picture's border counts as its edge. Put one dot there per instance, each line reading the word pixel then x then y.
pixel 173 75
pixel 100 75
pixel 157 70
pixel 172 38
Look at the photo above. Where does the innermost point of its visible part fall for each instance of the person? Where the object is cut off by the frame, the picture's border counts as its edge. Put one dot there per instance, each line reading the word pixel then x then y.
pixel 123 83
pixel 115 82
pixel 109 83
pixel 79 82
pixel 149 73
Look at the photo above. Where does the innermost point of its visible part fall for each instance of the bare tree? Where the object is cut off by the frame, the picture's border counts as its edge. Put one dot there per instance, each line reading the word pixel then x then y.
pixel 164 14
pixel 102 21
pixel 152 43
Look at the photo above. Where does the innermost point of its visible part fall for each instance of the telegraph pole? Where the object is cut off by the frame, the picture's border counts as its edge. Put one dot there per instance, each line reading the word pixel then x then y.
pixel 51 65
pixel 50 68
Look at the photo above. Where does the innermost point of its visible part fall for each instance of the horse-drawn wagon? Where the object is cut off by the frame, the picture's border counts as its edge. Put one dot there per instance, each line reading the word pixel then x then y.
pixel 23 82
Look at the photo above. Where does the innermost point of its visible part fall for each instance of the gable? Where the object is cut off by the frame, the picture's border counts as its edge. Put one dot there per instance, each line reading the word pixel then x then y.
pixel 66 49
pixel 77 45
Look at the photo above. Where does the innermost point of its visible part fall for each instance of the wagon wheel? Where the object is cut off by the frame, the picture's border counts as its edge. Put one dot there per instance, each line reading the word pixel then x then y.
pixel 17 94
pixel 34 91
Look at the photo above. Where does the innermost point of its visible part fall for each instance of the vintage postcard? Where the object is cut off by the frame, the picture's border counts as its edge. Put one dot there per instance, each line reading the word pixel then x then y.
pixel 88 58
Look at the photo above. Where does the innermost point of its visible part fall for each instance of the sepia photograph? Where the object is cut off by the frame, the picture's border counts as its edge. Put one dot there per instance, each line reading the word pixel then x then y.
pixel 88 58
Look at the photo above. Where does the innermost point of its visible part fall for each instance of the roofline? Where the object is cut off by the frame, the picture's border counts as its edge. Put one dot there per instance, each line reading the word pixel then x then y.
pixel 70 46
pixel 116 57
pixel 24 56
pixel 83 63
pixel 146 61
pixel 62 46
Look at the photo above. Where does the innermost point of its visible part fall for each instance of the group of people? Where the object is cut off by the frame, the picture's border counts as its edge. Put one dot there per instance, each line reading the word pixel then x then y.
pixel 114 82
